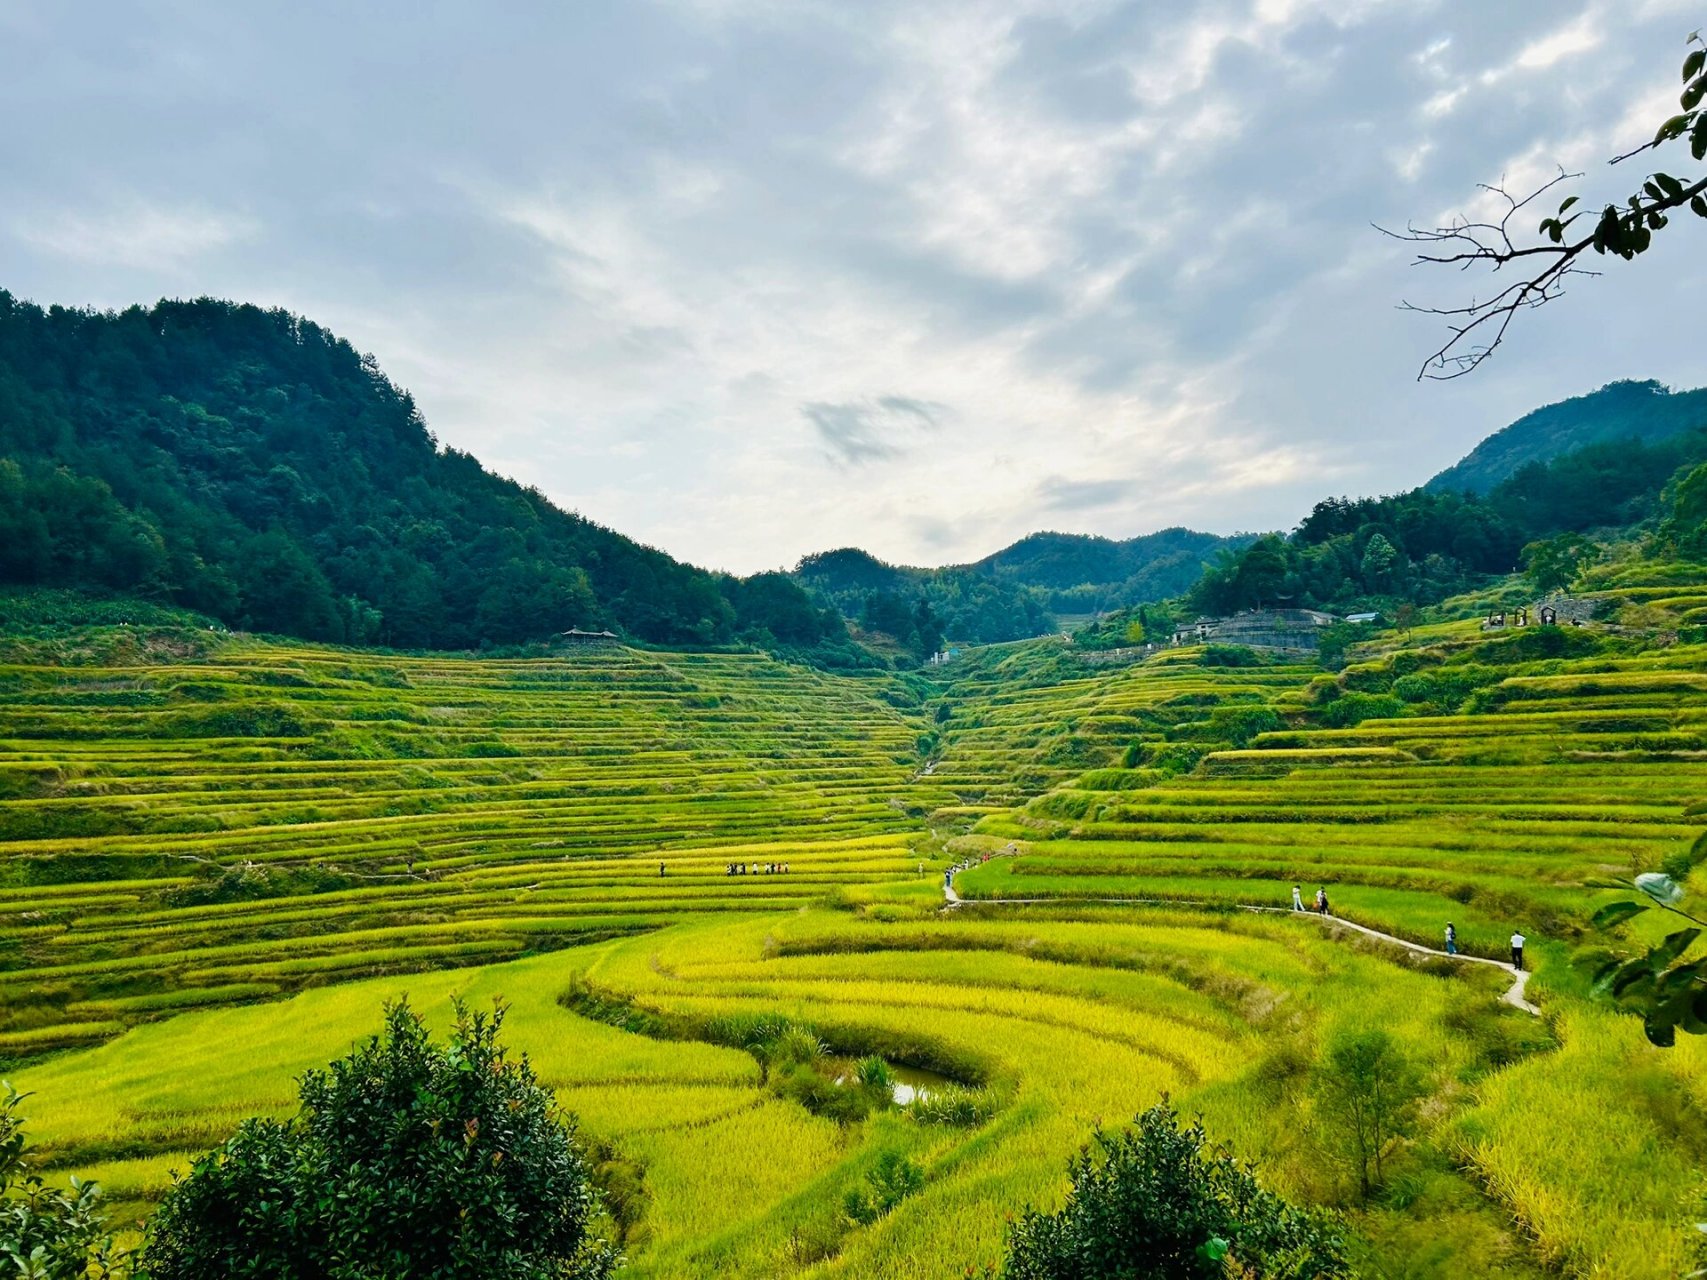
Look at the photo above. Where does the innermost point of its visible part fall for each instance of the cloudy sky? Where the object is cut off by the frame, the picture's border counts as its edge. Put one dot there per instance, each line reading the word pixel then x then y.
pixel 748 279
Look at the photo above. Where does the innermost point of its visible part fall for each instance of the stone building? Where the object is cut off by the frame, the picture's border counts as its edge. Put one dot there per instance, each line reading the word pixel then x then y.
pixel 1292 629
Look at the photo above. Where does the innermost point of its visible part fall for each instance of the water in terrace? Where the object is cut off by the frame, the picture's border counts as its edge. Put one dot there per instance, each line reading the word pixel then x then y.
pixel 911 1083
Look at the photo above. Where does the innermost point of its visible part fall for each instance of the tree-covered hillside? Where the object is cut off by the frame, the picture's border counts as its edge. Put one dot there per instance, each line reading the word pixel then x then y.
pixel 1643 411
pixel 1016 592
pixel 251 465
pixel 1081 573
pixel 1422 546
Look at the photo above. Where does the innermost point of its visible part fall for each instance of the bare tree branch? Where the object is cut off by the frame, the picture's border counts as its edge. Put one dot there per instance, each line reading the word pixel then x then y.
pixel 1482 323
pixel 1554 255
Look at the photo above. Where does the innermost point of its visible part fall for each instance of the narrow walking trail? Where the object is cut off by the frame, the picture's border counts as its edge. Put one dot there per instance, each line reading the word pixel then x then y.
pixel 1515 995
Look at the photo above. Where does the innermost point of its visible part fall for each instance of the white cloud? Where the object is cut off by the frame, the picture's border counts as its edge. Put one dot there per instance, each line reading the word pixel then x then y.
pixel 1577 38
pixel 134 234
pixel 695 268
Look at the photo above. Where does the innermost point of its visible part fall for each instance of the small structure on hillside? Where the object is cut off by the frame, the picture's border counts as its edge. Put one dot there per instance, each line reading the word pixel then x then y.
pixel 1564 611
pixel 576 636
pixel 1292 629
pixel 1196 632
pixel 1500 619
pixel 1363 619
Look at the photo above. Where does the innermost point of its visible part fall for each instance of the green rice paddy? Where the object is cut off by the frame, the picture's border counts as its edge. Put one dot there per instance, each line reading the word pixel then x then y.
pixel 221 856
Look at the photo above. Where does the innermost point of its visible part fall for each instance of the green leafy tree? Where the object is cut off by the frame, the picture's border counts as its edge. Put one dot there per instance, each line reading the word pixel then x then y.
pixel 1563 237
pixel 1367 1092
pixel 1261 573
pixel 284 591
pixel 888 613
pixel 1158 1202
pixel 927 630
pixel 1380 557
pixel 45 1233
pixel 1685 525
pixel 406 1159
pixel 1553 565
pixel 1333 641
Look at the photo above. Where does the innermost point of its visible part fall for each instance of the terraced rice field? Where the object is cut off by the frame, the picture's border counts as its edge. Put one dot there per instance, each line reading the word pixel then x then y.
pixel 1493 819
pixel 261 818
pixel 1092 1025
pixel 222 857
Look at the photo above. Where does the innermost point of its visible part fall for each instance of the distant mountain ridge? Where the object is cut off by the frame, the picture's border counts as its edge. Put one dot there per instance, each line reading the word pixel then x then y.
pixel 1646 411
pixel 1015 592
pixel 1062 561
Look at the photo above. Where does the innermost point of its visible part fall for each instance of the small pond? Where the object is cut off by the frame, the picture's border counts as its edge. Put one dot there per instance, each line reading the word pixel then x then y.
pixel 911 1083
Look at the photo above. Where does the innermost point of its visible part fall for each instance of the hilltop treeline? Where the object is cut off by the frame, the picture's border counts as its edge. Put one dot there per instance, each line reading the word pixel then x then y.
pixel 1619 411
pixel 1016 592
pixel 1423 546
pixel 250 464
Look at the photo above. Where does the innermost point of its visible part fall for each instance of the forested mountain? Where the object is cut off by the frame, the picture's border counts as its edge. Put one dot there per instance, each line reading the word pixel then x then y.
pixel 1017 591
pixel 249 464
pixel 1643 411
pixel 1425 545
pixel 1081 572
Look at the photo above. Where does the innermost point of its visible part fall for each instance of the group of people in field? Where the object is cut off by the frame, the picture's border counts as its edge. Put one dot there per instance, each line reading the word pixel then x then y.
pixel 1321 902
pixel 1517 941
pixel 1321 907
pixel 757 869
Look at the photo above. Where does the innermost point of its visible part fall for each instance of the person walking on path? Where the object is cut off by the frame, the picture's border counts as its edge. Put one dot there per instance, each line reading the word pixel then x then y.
pixel 1322 900
pixel 1517 951
pixel 1451 939
pixel 1297 899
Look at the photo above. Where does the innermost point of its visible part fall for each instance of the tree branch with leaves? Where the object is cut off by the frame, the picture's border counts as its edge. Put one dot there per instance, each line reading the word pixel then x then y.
pixel 1666 983
pixel 1562 240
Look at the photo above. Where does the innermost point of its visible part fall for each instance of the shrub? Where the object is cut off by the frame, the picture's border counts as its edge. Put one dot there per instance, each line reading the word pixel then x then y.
pixel 1178 757
pixel 248 882
pixel 1369 677
pixel 1229 655
pixel 793 1047
pixel 1354 708
pixel 45 1233
pixel 810 1088
pixel 890 1181
pixel 405 1159
pixel 1239 725
pixel 1445 688
pixel 874 1073
pixel 1368 1092
pixel 1157 1202
pixel 953 1105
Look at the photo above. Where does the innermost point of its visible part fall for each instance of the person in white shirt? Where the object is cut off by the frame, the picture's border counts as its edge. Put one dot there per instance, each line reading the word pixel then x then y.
pixel 1297 899
pixel 1517 951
